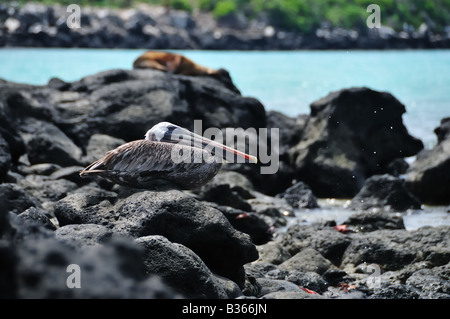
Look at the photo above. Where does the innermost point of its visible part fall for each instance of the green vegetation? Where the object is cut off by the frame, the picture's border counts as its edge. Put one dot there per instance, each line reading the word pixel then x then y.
pixel 224 8
pixel 305 15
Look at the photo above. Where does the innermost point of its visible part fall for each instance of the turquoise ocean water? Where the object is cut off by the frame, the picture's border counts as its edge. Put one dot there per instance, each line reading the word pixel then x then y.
pixel 287 81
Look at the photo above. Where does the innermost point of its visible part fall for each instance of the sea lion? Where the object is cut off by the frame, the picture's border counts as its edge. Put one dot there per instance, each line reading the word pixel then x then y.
pixel 173 63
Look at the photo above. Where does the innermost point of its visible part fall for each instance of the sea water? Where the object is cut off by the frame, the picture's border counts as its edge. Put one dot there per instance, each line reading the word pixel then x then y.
pixel 337 210
pixel 285 81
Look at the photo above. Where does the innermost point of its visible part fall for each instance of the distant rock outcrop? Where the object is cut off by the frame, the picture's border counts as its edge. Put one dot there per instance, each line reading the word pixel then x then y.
pixel 154 27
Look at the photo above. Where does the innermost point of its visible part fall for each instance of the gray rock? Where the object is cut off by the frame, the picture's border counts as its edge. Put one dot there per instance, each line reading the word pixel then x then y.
pixel 376 250
pixel 437 256
pixel 5 158
pixel 310 280
pixel 432 283
pixel 385 192
pixel 370 221
pixel 443 131
pixel 291 295
pixel 105 272
pixel 397 167
pixel 39 216
pixel 428 176
pixel 46 189
pixel 274 285
pixel 38 266
pixel 394 291
pixel 273 217
pixel 228 188
pixel 259 269
pixel 169 213
pixel 11 141
pixel 70 173
pixel 232 290
pixel 15 199
pixel 46 143
pixel 73 208
pixel 99 145
pixel 234 179
pixel 180 268
pixel 276 273
pixel 250 223
pixel 273 253
pixel 271 206
pixel 299 196
pixel 129 102
pixel 307 260
pixel 327 241
pixel 395 249
pixel 224 195
pixel 87 234
pixel 291 129
pixel 39 169
pixel 251 288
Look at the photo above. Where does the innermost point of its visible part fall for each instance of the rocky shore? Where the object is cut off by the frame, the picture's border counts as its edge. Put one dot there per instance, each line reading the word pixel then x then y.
pixel 229 239
pixel 149 27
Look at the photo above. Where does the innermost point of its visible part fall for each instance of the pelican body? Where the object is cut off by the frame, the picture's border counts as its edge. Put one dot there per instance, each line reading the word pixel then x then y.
pixel 168 152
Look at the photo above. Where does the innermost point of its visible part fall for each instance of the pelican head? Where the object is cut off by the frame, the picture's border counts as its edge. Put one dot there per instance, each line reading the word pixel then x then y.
pixel 161 132
pixel 170 133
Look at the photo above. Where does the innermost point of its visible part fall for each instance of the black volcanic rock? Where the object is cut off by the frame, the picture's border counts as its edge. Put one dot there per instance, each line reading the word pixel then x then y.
pixel 126 103
pixel 385 192
pixel 443 131
pixel 5 158
pixel 15 199
pixel 169 213
pixel 37 265
pixel 351 134
pixel 299 196
pixel 181 269
pixel 370 221
pixel 428 176
pixel 61 124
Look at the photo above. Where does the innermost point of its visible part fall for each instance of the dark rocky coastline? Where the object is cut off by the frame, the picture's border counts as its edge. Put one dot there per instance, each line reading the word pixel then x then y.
pixel 223 240
pixel 35 25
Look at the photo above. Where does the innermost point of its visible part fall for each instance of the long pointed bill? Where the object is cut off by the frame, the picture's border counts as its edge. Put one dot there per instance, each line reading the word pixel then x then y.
pixel 231 155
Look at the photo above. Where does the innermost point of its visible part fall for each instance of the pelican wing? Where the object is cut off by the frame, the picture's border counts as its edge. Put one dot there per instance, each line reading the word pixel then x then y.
pixel 144 157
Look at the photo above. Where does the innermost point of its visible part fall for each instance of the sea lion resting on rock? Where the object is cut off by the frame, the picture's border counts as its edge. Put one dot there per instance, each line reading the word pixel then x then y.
pixel 173 63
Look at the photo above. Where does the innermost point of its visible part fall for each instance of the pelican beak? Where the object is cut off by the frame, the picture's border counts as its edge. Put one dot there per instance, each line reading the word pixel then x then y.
pixel 183 136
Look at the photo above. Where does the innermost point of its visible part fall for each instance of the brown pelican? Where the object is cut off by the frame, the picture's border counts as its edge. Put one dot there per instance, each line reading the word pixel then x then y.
pixel 168 152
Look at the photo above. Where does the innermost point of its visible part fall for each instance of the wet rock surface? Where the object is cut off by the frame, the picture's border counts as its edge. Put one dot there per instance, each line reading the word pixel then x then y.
pixel 373 264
